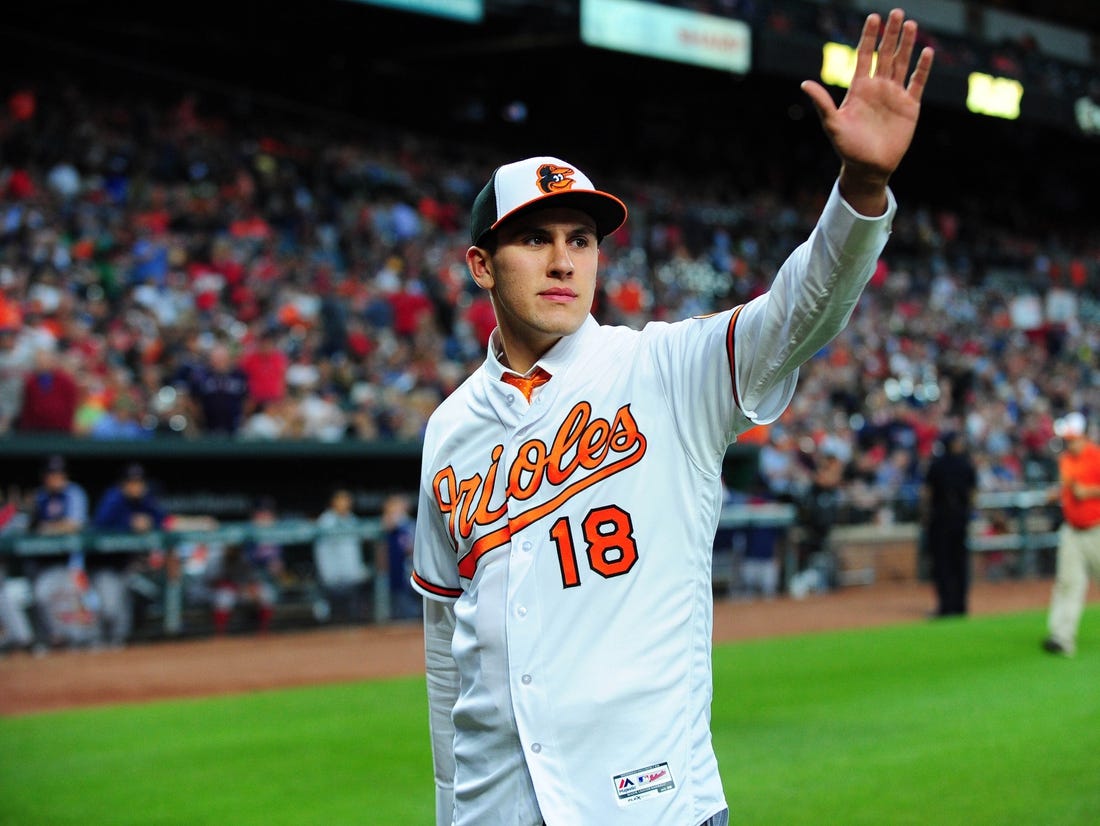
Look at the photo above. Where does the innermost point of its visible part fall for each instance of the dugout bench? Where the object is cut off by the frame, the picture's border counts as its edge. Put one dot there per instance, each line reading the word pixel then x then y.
pixel 170 571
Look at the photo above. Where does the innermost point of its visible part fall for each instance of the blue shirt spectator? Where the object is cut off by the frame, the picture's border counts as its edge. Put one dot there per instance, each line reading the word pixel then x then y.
pixel 60 505
pixel 221 389
pixel 129 506
pixel 400 527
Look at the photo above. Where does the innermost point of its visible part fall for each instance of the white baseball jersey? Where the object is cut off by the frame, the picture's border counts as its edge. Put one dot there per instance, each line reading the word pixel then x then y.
pixel 574 534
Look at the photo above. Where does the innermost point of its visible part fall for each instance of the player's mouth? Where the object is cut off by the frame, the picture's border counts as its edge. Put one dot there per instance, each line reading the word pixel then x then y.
pixel 559 295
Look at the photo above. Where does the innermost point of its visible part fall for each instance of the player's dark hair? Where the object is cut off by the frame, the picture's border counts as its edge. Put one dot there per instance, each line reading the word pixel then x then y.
pixel 489 242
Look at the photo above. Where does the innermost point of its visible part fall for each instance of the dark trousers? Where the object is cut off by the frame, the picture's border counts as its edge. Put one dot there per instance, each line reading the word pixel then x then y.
pixel 950 565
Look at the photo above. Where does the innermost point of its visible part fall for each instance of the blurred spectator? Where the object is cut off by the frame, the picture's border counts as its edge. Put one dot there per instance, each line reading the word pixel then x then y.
pixel 274 420
pixel 66 600
pixel 49 396
pixel 266 366
pixel 782 474
pixel 399 528
pixel 995 564
pixel 321 415
pixel 760 561
pixel 947 502
pixel 129 506
pixel 221 389
pixel 250 574
pixel 819 510
pixel 16 630
pixel 126 507
pixel 750 547
pixel 338 558
pixel 60 506
pixel 16 361
pixel 122 420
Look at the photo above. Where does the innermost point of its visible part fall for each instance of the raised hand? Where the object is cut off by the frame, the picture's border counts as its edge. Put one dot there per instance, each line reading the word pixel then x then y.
pixel 872 128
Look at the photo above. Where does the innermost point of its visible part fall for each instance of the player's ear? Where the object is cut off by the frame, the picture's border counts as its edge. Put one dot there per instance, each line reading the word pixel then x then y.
pixel 480 266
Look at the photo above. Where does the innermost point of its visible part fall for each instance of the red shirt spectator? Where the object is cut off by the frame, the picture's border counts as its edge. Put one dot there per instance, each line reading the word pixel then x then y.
pixel 409 306
pixel 481 317
pixel 49 397
pixel 22 105
pixel 266 370
pixel 10 315
pixel 20 185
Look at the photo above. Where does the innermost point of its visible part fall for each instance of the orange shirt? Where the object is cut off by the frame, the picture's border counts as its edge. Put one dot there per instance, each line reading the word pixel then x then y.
pixel 1084 467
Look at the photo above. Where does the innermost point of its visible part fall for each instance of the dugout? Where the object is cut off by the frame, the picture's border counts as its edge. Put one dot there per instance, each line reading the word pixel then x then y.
pixel 221 477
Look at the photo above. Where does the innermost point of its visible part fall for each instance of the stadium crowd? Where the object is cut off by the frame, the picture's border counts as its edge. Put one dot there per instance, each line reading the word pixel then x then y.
pixel 169 273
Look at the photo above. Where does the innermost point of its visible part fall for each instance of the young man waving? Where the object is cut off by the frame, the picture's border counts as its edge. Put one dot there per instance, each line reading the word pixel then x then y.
pixel 571 486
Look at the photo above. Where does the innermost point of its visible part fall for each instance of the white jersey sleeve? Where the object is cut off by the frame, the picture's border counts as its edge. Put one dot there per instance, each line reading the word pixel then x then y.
pixel 435 569
pixel 809 303
pixel 722 374
pixel 443 684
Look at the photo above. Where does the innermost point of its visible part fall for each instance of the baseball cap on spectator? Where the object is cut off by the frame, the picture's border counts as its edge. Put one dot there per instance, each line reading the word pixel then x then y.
pixel 265 504
pixel 134 472
pixel 535 183
pixel 1071 426
pixel 54 464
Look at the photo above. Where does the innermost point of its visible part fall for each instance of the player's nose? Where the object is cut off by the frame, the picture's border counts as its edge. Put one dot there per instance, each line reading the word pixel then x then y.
pixel 561 261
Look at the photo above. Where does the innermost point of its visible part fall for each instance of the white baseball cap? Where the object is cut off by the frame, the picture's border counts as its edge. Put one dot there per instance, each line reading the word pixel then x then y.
pixel 534 183
pixel 1071 425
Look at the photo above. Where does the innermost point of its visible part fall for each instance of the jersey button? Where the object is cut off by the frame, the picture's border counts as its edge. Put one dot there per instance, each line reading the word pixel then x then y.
pixel 526 679
pixel 521 611
pixel 536 747
pixel 527 546
pixel 510 399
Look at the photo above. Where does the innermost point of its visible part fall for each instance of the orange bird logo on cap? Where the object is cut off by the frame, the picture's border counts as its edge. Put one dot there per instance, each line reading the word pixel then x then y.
pixel 555 178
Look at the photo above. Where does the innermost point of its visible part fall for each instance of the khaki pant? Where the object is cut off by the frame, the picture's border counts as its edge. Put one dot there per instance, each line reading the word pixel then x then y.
pixel 1078 558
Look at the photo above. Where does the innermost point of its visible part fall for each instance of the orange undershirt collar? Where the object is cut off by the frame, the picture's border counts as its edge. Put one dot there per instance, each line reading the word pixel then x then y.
pixel 526 384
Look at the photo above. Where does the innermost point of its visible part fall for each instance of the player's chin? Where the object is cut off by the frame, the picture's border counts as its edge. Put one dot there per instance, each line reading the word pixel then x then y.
pixel 562 323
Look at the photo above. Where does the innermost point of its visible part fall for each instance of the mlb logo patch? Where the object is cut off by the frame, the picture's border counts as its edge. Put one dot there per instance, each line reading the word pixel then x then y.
pixel 632 786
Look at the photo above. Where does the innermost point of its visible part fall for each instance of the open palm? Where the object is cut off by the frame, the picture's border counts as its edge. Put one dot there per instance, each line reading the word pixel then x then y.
pixel 872 128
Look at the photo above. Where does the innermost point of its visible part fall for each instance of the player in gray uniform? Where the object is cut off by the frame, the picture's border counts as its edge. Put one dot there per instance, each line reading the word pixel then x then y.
pixel 571 486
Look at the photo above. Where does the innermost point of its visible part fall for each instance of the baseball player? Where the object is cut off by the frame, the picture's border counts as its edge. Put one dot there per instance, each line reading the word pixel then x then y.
pixel 571 486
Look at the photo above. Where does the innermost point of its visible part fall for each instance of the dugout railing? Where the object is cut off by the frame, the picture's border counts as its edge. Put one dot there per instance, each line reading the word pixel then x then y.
pixel 1021 524
pixel 171 604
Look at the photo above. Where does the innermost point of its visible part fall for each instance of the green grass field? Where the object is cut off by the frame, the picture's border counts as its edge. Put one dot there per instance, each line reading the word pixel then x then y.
pixel 951 722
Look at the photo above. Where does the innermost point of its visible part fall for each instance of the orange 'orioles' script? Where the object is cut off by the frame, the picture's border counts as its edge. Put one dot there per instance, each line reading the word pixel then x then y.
pixel 576 459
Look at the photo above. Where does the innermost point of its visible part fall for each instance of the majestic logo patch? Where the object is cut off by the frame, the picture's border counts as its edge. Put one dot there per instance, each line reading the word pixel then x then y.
pixel 639 784
pixel 554 178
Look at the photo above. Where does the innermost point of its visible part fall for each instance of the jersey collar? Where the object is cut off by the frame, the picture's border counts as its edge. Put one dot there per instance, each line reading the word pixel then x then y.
pixel 553 361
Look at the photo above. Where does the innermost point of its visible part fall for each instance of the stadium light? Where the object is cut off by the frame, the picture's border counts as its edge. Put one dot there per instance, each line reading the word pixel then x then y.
pixel 838 64
pixel 998 97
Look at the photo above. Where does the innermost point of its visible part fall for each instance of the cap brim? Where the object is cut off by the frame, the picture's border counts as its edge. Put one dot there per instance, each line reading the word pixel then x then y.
pixel 606 210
